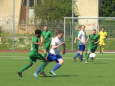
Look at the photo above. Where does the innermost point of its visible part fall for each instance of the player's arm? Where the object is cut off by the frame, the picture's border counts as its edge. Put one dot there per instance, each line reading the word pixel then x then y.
pixel 106 35
pixel 88 37
pixel 42 39
pixel 78 37
pixel 64 49
pixel 34 41
pixel 75 40
pixel 97 42
pixel 38 43
pixel 56 46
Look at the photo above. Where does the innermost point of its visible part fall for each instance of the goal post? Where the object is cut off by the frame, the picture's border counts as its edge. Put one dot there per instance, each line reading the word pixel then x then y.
pixel 71 25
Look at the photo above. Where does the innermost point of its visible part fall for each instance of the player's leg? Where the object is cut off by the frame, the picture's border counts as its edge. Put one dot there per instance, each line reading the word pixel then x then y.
pixel 41 68
pixel 93 51
pixel 47 46
pixel 32 59
pixel 102 43
pixel 24 69
pixel 82 49
pixel 87 56
pixel 59 61
pixel 100 48
pixel 76 55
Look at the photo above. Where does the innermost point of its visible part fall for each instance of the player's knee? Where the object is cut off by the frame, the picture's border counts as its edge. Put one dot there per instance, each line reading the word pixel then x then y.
pixel 61 61
pixel 31 64
pixel 81 52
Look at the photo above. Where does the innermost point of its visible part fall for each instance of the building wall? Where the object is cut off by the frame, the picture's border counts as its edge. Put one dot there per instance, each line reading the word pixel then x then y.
pixel 6 14
pixel 88 9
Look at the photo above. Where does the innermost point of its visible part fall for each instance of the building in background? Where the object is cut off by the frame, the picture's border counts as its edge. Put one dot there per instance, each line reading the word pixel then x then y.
pixel 87 9
pixel 15 13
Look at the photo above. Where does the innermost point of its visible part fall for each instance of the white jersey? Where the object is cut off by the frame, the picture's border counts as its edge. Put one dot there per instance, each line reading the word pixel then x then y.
pixel 82 36
pixel 56 41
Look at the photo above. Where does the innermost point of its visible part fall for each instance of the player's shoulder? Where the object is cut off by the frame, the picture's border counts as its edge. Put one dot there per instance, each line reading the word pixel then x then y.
pixel 34 38
pixel 105 32
pixel 80 32
pixel 43 32
pixel 100 32
pixel 56 39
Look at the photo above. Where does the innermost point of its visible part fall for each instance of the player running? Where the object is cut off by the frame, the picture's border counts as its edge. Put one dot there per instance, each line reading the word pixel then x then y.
pixel 54 53
pixel 46 41
pixel 82 42
pixel 93 40
pixel 34 55
pixel 103 37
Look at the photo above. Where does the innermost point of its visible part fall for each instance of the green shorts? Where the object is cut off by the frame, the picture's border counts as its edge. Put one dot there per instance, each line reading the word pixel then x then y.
pixel 93 49
pixel 34 56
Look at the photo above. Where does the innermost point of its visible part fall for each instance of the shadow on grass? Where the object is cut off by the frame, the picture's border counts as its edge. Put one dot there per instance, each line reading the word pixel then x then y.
pixel 100 62
pixel 72 75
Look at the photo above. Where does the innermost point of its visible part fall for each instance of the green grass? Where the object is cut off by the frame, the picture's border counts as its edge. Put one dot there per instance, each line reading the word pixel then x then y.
pixel 98 73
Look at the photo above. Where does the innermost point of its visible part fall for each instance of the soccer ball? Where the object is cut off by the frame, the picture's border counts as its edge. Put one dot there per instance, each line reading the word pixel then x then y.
pixel 92 55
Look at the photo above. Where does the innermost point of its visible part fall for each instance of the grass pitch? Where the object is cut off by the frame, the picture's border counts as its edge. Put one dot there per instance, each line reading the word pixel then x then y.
pixel 98 73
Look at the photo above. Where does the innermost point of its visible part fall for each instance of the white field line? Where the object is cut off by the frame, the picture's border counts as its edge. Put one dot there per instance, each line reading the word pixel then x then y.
pixel 25 57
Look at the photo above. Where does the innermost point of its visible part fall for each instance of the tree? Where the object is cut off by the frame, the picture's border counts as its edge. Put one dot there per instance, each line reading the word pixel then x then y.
pixel 52 10
pixel 107 8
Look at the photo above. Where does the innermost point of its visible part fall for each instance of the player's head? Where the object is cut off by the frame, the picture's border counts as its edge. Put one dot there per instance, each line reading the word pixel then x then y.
pixel 82 27
pixel 59 34
pixel 38 33
pixel 45 28
pixel 94 31
pixel 102 29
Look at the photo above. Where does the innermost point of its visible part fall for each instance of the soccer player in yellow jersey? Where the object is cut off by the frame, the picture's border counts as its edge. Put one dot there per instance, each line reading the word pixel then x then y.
pixel 103 36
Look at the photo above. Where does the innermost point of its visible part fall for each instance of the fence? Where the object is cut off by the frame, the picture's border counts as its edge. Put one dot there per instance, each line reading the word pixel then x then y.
pixel 71 25
pixel 19 41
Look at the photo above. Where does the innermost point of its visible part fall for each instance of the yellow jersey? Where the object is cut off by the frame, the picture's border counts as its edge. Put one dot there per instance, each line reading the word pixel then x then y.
pixel 103 36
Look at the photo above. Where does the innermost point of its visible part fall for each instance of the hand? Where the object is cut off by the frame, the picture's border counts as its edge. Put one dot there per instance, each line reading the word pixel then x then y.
pixel 84 43
pixel 63 52
pixel 40 43
pixel 74 41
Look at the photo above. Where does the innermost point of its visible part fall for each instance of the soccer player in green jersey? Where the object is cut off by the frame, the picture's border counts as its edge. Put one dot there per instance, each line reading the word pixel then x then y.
pixel 46 38
pixel 93 40
pixel 34 55
pixel 46 41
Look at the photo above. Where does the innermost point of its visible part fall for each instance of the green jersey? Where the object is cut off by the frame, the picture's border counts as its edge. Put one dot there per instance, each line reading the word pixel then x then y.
pixel 93 39
pixel 47 36
pixel 34 47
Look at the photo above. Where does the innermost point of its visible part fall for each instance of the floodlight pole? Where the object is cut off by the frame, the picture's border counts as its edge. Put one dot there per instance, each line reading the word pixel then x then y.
pixel 13 16
pixel 72 23
pixel 64 29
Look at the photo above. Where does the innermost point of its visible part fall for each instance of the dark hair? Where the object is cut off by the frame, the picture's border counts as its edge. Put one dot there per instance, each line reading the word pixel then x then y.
pixel 81 26
pixel 45 25
pixel 59 32
pixel 38 32
pixel 94 30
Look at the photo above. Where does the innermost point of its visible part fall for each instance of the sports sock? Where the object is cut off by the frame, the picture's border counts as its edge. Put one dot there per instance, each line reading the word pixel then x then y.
pixel 87 56
pixel 81 57
pixel 76 55
pixel 41 68
pixel 57 66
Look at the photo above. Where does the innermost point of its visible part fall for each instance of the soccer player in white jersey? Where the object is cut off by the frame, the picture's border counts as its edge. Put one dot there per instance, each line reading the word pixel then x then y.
pixel 82 42
pixel 54 53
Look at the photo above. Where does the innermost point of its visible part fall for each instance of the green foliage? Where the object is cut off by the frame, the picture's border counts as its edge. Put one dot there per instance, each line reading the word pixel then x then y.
pixel 107 8
pixel 50 10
